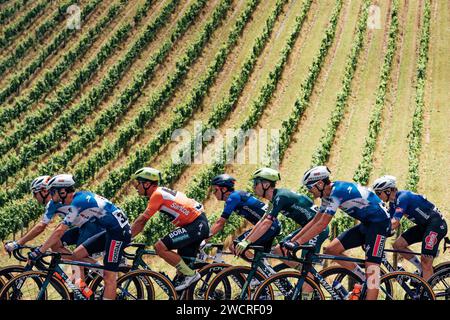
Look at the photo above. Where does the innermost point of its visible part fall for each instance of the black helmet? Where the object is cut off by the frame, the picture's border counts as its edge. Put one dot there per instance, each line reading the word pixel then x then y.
pixel 223 180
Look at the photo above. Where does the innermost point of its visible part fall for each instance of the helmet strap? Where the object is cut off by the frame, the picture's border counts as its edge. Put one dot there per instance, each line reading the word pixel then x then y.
pixel 44 198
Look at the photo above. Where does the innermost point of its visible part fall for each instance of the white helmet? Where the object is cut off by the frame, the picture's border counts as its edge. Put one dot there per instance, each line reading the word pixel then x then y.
pixel 61 181
pixel 384 182
pixel 39 183
pixel 314 175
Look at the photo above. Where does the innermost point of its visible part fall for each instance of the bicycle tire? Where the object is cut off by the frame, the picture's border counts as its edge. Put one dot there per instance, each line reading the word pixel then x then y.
pixel 271 281
pixel 238 275
pixel 10 271
pixel 198 289
pixel 441 266
pixel 417 286
pixel 97 286
pixel 59 292
pixel 440 283
pixel 163 291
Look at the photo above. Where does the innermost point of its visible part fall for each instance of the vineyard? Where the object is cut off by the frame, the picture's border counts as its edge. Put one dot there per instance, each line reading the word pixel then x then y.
pixel 361 86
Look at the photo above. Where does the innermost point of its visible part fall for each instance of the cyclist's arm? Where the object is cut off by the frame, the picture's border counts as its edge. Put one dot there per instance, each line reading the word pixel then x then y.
pixel 154 204
pixel 395 223
pixel 313 228
pixel 33 233
pixel 217 227
pixel 259 229
pixel 54 237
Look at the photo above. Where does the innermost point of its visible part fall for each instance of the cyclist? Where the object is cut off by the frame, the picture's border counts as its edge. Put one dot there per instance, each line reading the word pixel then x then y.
pixel 185 213
pixel 41 194
pixel 430 226
pixel 293 205
pixel 84 207
pixel 72 236
pixel 244 204
pixel 358 202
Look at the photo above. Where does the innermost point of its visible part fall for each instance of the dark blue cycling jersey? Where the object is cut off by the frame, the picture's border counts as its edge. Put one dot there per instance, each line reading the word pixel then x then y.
pixel 51 209
pixel 87 206
pixel 414 206
pixel 246 205
pixel 355 200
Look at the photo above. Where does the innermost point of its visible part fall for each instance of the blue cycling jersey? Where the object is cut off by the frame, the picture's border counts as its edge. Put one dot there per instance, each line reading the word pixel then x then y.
pixel 50 210
pixel 355 200
pixel 246 205
pixel 414 206
pixel 87 206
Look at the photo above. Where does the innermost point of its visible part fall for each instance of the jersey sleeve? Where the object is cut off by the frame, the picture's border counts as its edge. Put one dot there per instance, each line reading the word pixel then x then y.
pixel 275 207
pixel 401 204
pixel 230 205
pixel 154 204
pixel 71 215
pixel 330 205
pixel 49 213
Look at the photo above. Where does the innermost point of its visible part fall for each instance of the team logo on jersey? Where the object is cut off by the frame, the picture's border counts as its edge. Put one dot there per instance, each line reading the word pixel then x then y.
pixel 177 232
pixel 430 240
pixel 114 249
pixel 378 247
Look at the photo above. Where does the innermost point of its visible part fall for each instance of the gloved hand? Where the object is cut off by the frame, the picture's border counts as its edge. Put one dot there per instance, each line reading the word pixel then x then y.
pixel 290 245
pixel 11 246
pixel 35 254
pixel 241 246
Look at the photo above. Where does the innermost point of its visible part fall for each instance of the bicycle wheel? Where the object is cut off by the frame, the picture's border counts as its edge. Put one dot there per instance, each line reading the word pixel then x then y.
pixel 230 282
pixel 8 272
pixel 404 286
pixel 342 275
pixel 440 283
pixel 281 286
pixel 141 292
pixel 157 286
pixel 197 290
pixel 441 266
pixel 27 286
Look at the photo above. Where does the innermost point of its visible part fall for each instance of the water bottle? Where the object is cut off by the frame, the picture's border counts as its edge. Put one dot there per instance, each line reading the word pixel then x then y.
pixel 85 290
pixel 339 288
pixel 356 292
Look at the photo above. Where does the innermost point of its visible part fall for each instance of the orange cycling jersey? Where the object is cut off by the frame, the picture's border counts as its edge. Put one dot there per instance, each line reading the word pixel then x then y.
pixel 180 209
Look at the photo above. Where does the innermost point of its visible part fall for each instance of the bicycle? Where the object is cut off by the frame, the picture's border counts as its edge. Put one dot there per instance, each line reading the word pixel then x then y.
pixel 54 284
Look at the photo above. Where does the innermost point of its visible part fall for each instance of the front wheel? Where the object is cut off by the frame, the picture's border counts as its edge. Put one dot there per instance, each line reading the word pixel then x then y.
pixel 282 286
pixel 404 286
pixel 30 286
pixel 440 283
pixel 232 284
pixel 158 287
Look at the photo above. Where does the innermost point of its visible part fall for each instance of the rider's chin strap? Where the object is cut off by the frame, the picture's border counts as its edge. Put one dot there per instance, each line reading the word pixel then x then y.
pixel 321 190
pixel 44 198
pixel 265 190
pixel 61 197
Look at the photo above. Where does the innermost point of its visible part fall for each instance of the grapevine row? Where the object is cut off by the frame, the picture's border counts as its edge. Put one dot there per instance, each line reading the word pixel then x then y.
pixel 110 149
pixel 198 189
pixel 36 120
pixel 362 173
pixel 19 26
pixel 415 135
pixel 8 114
pixel 23 47
pixel 45 141
pixel 9 12
pixel 120 175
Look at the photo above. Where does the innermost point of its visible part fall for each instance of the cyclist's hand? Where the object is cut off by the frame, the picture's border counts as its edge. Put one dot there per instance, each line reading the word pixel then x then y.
pixel 241 246
pixel 11 246
pixel 35 254
pixel 290 245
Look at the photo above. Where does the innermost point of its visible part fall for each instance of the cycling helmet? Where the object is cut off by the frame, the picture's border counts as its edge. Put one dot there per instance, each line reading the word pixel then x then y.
pixel 147 174
pixel 314 175
pixel 223 180
pixel 61 181
pixel 267 174
pixel 384 183
pixel 39 183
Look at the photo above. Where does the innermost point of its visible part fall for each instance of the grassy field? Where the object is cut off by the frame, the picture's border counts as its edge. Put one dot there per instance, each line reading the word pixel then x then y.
pixel 391 151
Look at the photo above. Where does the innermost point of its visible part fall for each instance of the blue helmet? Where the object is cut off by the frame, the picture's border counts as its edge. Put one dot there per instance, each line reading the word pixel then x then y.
pixel 223 180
